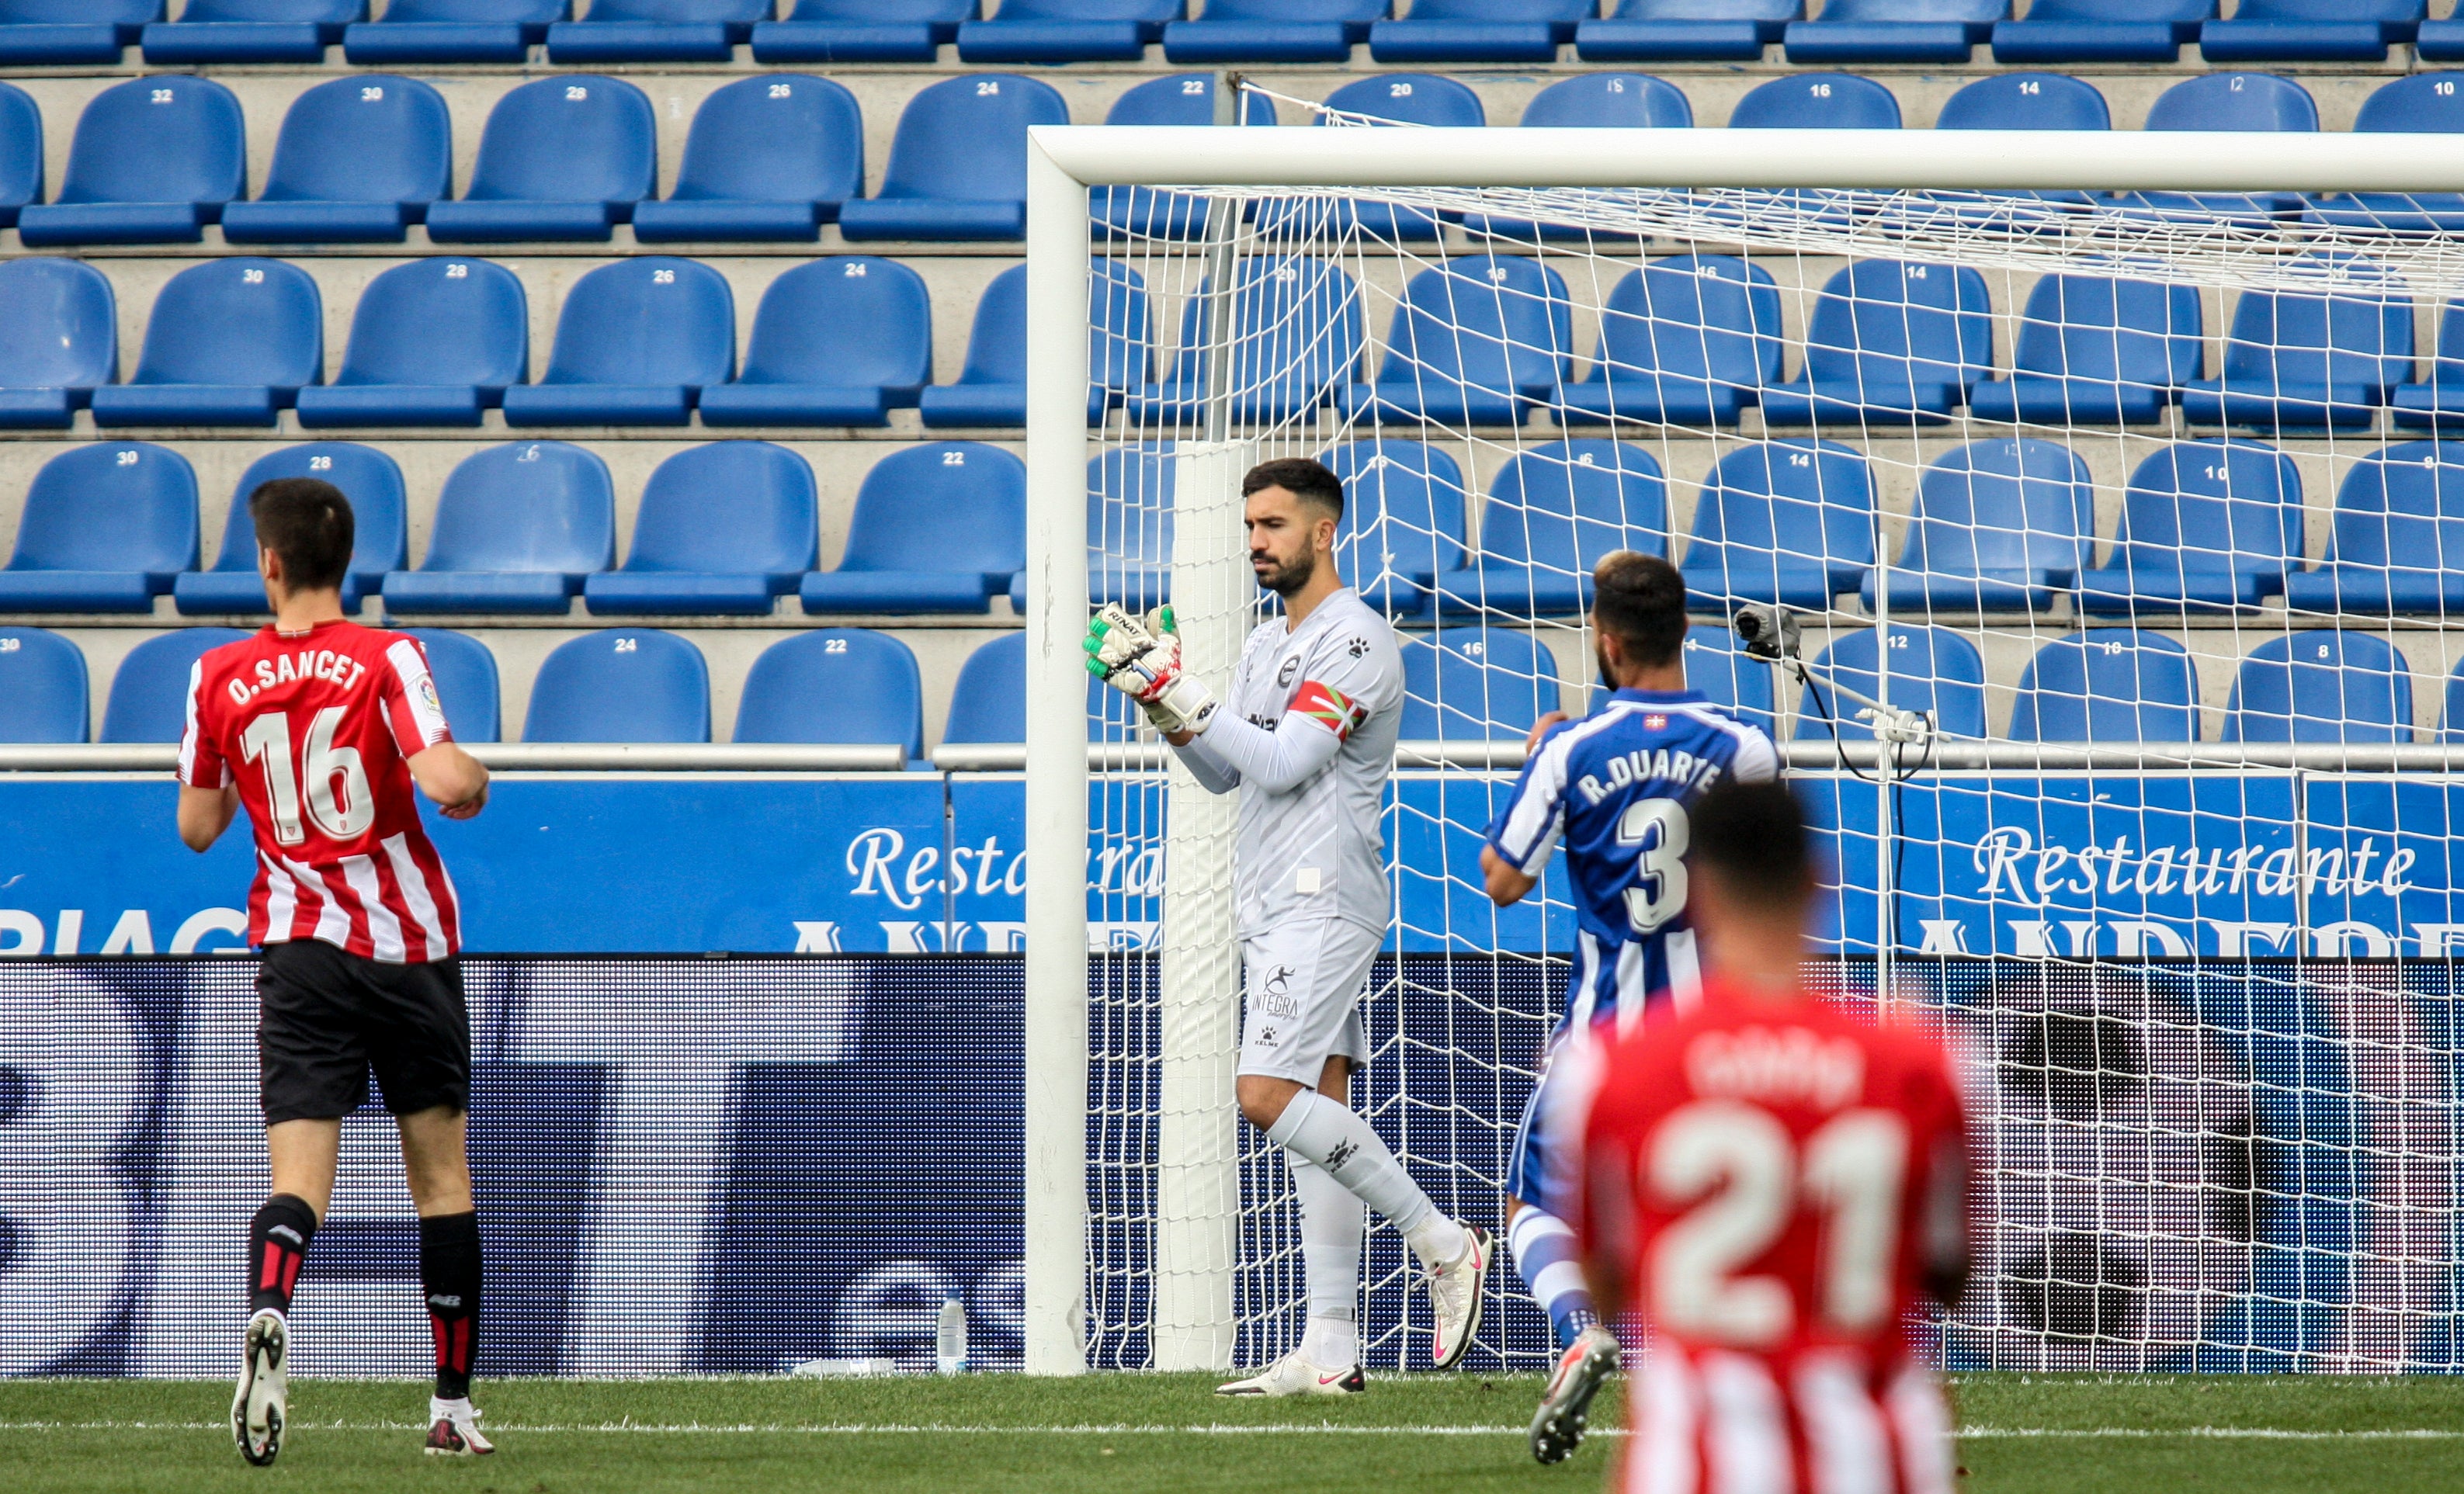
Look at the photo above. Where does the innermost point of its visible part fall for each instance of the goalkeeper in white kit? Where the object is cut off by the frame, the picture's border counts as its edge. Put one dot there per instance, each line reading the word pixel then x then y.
pixel 1307 733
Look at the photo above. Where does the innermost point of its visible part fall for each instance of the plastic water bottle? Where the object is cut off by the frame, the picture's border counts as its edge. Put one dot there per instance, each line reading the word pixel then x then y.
pixel 950 1337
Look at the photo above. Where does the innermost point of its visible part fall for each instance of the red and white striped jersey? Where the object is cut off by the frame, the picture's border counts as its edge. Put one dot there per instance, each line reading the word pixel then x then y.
pixel 1772 1181
pixel 314 727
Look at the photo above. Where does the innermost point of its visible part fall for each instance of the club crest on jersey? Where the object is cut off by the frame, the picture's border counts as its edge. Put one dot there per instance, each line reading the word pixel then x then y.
pixel 1655 723
pixel 1284 675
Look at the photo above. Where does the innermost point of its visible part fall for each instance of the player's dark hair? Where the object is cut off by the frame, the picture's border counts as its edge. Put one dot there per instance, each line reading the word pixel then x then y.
pixel 1641 599
pixel 1753 835
pixel 1306 481
pixel 306 521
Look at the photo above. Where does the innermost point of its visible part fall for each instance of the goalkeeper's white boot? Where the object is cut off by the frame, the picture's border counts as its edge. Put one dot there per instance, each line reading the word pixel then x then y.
pixel 453 1429
pixel 1457 1288
pixel 1294 1375
pixel 264 1395
pixel 1566 1405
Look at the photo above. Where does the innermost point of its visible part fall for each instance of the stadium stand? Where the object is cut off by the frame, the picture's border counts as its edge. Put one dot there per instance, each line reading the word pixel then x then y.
pixel 861 30
pixel 380 536
pixel 1553 512
pixel 230 343
pixel 836 685
pixel 2321 686
pixel 2296 362
pixel 518 529
pixel 21 152
pixel 1424 99
pixel 149 694
pixel 563 157
pixel 1686 340
pixel 1402 521
pixel 1998 526
pixel 2109 685
pixel 939 528
pixel 434 342
pixel 1295 336
pixel 988 703
pixel 767 159
pixel 2026 101
pixel 1894 30
pixel 1471 683
pixel 2093 350
pixel 722 529
pixel 1785 521
pixel 1485 339
pixel 105 528
pixel 1890 341
pixel 2206 526
pixel 1685 30
pixel 957 164
pixel 216 32
pixel 1591 100
pixel 2388 553
pixel 2440 41
pixel 2436 405
pixel 2311 31
pixel 1067 30
pixel 1129 528
pixel 452 30
pixel 358 160
pixel 636 342
pixel 2425 103
pixel 1933 671
pixel 2101 30
pixel 67 33
pixel 465 673
pixel 1479 31
pixel 2248 101
pixel 992 386
pixel 1273 31
pixel 839 341
pixel 1180 98
pixel 58 340
pixel 621 685
pixel 656 30
pixel 152 162
pixel 1728 675
pixel 42 688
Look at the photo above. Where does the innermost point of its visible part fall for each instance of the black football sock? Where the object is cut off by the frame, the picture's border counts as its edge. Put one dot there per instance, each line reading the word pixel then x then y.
pixel 278 1242
pixel 449 1269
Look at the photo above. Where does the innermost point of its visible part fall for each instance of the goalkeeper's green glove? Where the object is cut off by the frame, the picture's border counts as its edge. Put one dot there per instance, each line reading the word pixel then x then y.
pixel 1141 659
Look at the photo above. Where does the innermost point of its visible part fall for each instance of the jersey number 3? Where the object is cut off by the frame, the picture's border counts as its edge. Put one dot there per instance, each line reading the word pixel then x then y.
pixel 1658 830
pixel 339 799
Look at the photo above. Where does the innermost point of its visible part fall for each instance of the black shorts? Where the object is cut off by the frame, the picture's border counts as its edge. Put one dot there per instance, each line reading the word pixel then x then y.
pixel 325 1017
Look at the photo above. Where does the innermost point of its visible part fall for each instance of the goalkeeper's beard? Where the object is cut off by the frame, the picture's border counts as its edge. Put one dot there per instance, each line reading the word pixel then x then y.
pixel 1287 577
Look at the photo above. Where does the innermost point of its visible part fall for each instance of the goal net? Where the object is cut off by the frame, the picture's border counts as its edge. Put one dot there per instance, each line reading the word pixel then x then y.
pixel 2108 504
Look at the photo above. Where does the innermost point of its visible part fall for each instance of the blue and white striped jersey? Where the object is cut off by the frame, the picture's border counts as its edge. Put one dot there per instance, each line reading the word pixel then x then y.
pixel 1615 787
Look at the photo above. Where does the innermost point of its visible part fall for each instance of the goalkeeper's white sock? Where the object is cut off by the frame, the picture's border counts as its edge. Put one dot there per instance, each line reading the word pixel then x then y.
pixel 1332 1229
pixel 1327 1133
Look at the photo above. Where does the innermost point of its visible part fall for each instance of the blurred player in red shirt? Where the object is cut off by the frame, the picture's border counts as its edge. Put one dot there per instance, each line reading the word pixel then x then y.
pixel 321 728
pixel 1771 1184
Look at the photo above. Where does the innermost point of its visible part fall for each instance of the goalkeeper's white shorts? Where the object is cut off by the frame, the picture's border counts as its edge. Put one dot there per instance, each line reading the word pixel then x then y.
pixel 1300 990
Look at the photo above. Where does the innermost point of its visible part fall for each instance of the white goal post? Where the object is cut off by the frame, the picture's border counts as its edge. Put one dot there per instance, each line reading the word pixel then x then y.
pixel 1064 162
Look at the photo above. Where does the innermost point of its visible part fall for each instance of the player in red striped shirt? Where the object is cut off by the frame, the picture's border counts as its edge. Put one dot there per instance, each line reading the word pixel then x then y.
pixel 321 728
pixel 1772 1183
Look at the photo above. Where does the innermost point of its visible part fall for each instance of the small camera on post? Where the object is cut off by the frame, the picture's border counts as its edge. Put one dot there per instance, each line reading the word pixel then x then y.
pixel 1768 630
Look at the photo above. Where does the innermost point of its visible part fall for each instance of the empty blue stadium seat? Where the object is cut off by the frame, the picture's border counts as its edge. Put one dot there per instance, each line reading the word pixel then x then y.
pixel 1727 676
pixel 561 158
pixel 229 342
pixel 357 160
pixel 381 539
pixel 1590 101
pixel 1890 341
pixel 656 30
pixel 1129 527
pixel 2321 686
pixel 2440 41
pixel 957 165
pixel 61 32
pixel 1475 685
pixel 992 386
pixel 518 529
pixel 2101 30
pixel 1688 339
pixel 452 30
pixel 2451 715
pixel 1479 30
pixel 839 341
pixel 2241 102
pixel 836 685
pixel 1403 522
pixel 434 342
pixel 149 694
pixel 1273 31
pixel 465 673
pixel 2438 404
pixel 2425 103
pixel 2206 526
pixel 2109 685
pixel 1478 340
pixel 621 685
pixel 722 529
pixel 1685 30
pixel 1786 522
pixel 2304 360
pixel 1894 30
pixel 2396 514
pixel 636 342
pixel 1816 102
pixel 105 528
pixel 988 703
pixel 1178 98
pixel 42 688
pixel 1933 671
pixel 1553 512
pixel 936 528
pixel 861 30
pixel 2026 101
pixel 21 147
pixel 153 161
pixel 251 30
pixel 58 340
pixel 1295 334
pixel 2097 351
pixel 1067 30
pixel 1424 99
pixel 2311 31
pixel 1999 526
pixel 769 158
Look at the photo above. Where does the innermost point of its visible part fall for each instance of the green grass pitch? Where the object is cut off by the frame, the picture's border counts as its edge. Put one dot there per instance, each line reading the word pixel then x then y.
pixel 2053 1434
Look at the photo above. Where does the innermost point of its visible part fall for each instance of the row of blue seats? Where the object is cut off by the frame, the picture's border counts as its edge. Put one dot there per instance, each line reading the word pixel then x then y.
pixel 773 158
pixel 1225 30
pixel 853 686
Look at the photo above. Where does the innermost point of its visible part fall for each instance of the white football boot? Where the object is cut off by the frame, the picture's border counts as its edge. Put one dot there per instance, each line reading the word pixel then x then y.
pixel 1294 1375
pixel 1457 1289
pixel 453 1429
pixel 1566 1405
pixel 264 1395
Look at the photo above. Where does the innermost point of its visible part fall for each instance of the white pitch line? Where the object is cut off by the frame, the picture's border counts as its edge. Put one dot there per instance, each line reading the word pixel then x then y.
pixel 1214 1429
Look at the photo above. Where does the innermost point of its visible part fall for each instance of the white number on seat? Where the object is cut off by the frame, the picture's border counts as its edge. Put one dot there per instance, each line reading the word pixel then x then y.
pixel 251 277
pixel 855 269
pixel 12 645
pixel 1192 86
pixel 987 87
pixel 2029 85
pixel 339 799
pixel 834 645
pixel 457 272
pixel 372 93
pixel 663 277
pixel 1821 90
pixel 2322 651
pixel 2442 90
pixel 1659 830
pixel 126 459
pixel 628 646
pixel 1899 641
pixel 160 96
pixel 782 91
pixel 575 92
pixel 1616 85
pixel 954 458
pixel 1398 90
pixel 1800 459
pixel 320 464
pixel 530 453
